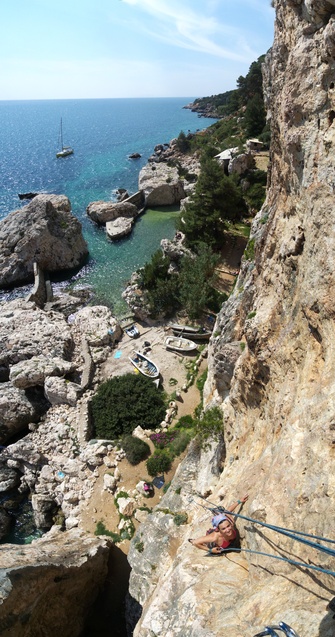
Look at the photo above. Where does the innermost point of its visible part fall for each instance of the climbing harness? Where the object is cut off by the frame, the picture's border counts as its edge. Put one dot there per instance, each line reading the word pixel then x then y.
pixel 271 630
pixel 299 536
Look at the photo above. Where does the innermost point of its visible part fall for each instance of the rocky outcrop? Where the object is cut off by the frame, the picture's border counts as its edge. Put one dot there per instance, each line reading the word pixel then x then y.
pixel 170 175
pixel 137 299
pixel 119 228
pixel 44 232
pixel 103 211
pixel 39 354
pixel 161 184
pixel 18 408
pixel 271 370
pixel 49 586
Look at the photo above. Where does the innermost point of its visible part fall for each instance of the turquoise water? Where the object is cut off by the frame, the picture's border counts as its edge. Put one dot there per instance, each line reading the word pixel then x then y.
pixel 103 134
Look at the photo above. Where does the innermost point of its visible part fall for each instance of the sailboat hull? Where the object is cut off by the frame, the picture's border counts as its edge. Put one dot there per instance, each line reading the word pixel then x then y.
pixel 65 152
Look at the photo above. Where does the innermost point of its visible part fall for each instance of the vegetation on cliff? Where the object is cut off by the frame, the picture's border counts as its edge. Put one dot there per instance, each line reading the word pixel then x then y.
pixel 220 201
pixel 247 98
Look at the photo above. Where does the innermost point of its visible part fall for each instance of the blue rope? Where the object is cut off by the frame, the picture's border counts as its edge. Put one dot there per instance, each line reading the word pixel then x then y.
pixel 283 559
pixel 288 532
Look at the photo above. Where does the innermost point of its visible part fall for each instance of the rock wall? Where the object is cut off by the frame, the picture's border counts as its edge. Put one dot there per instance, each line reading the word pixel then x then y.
pixel 271 368
pixel 49 586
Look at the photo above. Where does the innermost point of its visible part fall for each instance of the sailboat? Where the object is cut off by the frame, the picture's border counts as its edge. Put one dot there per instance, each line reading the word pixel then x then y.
pixel 66 150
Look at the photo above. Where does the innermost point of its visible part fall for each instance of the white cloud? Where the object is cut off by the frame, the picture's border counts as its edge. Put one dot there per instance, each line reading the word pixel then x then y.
pixel 182 27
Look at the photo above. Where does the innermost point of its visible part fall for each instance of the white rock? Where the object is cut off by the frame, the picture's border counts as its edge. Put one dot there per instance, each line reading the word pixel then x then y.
pixel 109 483
pixel 126 506
pixel 71 523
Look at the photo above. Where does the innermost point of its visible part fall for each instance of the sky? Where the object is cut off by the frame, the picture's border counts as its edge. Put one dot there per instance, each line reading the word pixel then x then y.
pixel 65 49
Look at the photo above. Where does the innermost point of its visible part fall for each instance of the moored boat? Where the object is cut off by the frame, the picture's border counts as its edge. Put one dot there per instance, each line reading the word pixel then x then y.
pixel 180 344
pixel 27 195
pixel 144 365
pixel 65 150
pixel 197 333
pixel 132 331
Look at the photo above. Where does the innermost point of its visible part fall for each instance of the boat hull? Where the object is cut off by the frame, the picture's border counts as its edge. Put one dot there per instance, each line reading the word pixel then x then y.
pixel 144 365
pixel 65 152
pixel 132 331
pixel 185 331
pixel 180 344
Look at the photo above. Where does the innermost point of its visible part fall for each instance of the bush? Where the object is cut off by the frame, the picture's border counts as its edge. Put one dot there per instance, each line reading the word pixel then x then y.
pixel 210 425
pixel 135 449
pixel 159 462
pixel 123 403
pixel 180 443
pixel 180 518
pixel 163 438
pixel 185 422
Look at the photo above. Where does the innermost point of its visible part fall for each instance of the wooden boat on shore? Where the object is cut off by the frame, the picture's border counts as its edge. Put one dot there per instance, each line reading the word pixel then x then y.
pixel 144 365
pixel 180 344
pixel 197 333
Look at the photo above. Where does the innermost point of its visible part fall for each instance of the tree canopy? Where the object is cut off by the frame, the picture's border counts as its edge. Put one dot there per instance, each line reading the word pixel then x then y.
pixel 215 201
pixel 124 402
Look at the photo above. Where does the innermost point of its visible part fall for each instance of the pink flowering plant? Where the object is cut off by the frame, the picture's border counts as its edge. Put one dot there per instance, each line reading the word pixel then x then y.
pixel 163 438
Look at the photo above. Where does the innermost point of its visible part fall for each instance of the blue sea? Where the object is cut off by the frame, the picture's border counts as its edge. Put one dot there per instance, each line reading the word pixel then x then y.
pixel 103 133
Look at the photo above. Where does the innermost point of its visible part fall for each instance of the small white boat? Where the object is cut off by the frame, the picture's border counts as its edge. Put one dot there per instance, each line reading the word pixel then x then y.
pixel 144 365
pixel 132 331
pixel 179 344
pixel 66 150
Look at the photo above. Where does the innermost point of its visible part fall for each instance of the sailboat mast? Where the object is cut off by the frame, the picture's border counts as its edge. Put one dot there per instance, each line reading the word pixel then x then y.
pixel 61 133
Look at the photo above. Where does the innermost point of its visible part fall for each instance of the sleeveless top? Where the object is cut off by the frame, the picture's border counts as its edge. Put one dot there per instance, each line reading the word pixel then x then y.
pixel 225 543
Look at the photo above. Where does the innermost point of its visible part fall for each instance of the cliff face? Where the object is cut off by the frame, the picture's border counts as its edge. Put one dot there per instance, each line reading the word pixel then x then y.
pixel 272 369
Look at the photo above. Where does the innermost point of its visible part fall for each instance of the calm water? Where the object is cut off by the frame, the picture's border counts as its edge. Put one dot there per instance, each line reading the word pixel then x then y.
pixel 103 134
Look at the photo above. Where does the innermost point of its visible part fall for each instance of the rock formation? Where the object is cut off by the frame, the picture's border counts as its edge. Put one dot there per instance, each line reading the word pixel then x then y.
pixel 271 369
pixel 103 211
pixel 49 586
pixel 161 184
pixel 44 232
pixel 39 353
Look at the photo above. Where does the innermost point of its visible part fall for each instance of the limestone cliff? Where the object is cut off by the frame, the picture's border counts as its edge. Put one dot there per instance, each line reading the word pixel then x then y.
pixel 49 586
pixel 271 368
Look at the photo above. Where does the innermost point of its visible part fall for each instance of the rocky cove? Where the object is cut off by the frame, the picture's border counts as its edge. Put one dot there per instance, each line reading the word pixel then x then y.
pixel 270 364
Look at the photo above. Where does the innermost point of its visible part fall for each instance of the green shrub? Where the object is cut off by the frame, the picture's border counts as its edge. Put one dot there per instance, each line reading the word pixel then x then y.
pixel 249 252
pixel 179 444
pixel 123 403
pixel 101 530
pixel 163 438
pixel 135 449
pixel 166 487
pixel 139 546
pixel 185 422
pixel 180 518
pixel 159 462
pixel 209 425
pixel 201 381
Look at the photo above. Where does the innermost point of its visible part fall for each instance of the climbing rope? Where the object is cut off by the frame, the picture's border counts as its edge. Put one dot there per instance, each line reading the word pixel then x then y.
pixel 288 532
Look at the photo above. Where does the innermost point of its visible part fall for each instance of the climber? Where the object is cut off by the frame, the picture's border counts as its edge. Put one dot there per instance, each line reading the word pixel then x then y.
pixel 223 533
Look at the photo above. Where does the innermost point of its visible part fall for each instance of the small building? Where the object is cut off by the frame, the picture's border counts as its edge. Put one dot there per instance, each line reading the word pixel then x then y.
pixel 254 145
pixel 225 157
